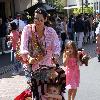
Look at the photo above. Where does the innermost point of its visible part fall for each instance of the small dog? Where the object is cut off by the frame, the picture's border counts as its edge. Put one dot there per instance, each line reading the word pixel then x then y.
pixel 84 58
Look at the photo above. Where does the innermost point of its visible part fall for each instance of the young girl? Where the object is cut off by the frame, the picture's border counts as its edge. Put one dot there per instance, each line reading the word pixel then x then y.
pixel 14 38
pixel 71 62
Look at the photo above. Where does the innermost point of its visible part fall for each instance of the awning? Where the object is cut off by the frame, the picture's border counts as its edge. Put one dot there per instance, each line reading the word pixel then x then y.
pixel 71 7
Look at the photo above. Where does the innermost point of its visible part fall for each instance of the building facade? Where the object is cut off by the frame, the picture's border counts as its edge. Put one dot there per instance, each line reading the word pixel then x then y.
pixel 10 7
pixel 6 8
pixel 94 3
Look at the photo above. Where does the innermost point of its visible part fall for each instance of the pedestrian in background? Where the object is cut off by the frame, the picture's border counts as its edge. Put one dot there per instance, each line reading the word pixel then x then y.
pixel 14 39
pixel 70 28
pixel 19 22
pixel 3 34
pixel 98 41
pixel 79 29
pixel 64 34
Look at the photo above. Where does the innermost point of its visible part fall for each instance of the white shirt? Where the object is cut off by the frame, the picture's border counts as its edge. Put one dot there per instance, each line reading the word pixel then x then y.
pixel 63 27
pixel 98 29
pixel 21 24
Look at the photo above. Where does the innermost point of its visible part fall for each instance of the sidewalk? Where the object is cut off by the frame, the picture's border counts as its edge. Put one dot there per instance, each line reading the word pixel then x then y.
pixel 11 87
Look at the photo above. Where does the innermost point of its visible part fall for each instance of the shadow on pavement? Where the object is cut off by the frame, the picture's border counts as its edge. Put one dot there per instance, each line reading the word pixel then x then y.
pixel 5 59
pixel 6 67
pixel 10 75
pixel 91 49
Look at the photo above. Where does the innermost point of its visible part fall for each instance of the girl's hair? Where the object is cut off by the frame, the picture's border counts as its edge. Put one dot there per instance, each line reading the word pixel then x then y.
pixel 71 43
pixel 13 26
pixel 41 11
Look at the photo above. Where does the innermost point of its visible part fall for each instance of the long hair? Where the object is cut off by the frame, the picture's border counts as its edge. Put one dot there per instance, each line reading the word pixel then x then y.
pixel 44 13
pixel 41 11
pixel 71 43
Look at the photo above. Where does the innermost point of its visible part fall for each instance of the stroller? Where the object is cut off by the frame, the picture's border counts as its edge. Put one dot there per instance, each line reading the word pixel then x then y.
pixel 51 88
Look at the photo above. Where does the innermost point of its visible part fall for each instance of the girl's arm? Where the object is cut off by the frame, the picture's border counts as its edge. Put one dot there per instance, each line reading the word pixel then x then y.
pixel 65 59
pixel 78 57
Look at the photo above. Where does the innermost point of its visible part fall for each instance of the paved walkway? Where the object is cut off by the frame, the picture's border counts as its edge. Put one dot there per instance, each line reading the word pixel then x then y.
pixel 11 86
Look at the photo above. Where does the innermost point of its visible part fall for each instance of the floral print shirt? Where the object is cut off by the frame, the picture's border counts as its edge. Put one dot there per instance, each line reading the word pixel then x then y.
pixel 51 41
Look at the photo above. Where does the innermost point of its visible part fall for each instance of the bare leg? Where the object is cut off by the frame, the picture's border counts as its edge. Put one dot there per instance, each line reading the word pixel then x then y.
pixel 69 94
pixel 74 93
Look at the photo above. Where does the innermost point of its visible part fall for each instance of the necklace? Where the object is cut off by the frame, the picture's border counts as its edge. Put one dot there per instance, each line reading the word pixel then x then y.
pixel 40 33
pixel 41 41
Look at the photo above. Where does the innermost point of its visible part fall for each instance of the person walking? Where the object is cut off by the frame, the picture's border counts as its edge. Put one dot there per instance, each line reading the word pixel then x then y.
pixel 20 23
pixel 79 29
pixel 70 28
pixel 14 39
pixel 71 61
pixel 39 44
pixel 2 35
pixel 64 34
pixel 98 41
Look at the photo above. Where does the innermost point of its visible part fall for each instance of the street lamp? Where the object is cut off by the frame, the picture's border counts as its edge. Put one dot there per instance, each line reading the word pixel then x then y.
pixel 82 6
pixel 86 2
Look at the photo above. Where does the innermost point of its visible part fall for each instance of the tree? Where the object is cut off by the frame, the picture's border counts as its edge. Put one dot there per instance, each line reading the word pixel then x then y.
pixel 59 4
pixel 86 9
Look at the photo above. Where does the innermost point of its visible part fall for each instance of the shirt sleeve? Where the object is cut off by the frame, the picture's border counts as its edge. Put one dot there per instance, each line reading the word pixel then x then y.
pixel 24 40
pixel 98 29
pixel 56 43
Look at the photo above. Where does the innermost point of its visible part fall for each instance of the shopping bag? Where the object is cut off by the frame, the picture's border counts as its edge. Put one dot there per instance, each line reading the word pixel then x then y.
pixel 24 95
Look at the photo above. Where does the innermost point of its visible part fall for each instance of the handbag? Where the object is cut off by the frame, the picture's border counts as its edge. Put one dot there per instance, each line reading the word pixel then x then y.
pixel 25 94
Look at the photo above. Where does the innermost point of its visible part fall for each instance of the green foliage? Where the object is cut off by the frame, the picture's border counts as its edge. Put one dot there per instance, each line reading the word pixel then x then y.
pixel 86 9
pixel 59 4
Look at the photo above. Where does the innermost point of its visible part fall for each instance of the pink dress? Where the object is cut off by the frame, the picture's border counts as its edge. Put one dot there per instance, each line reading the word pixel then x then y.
pixel 15 38
pixel 72 74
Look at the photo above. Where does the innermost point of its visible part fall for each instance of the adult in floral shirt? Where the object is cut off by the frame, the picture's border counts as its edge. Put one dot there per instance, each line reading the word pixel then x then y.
pixel 41 38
